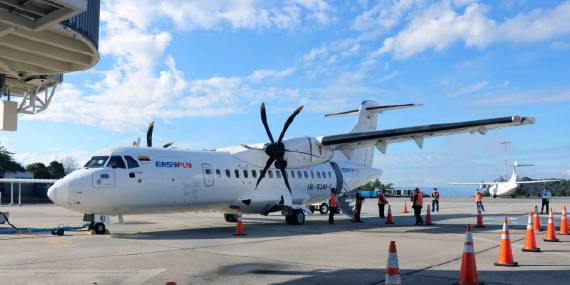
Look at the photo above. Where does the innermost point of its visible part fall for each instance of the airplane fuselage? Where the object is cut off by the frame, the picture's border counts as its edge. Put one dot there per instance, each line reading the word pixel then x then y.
pixel 155 180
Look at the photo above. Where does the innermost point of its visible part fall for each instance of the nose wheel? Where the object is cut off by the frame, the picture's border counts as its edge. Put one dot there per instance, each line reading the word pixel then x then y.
pixel 99 228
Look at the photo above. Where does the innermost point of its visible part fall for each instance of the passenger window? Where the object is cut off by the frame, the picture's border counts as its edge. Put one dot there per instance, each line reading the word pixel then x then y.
pixel 292 174
pixel 254 173
pixel 270 173
pixel 228 173
pixel 306 175
pixel 324 175
pixel 318 175
pixel 131 162
pixel 218 173
pixel 245 173
pixel 312 175
pixel 237 173
pixel 208 173
pixel 299 174
pixel 278 173
pixel 116 162
pixel 330 175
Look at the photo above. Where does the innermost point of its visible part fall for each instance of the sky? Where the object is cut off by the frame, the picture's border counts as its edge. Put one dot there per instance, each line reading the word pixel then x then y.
pixel 201 70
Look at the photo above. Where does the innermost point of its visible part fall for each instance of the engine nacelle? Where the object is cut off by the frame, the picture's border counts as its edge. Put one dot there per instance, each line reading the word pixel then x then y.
pixel 482 186
pixel 305 152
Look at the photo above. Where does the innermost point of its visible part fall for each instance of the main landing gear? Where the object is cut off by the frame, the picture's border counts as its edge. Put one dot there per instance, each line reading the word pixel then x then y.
pixel 231 218
pixel 295 217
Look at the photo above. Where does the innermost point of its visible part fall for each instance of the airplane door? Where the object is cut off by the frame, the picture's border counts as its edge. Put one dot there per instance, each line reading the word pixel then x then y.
pixel 338 175
pixel 172 183
pixel 208 175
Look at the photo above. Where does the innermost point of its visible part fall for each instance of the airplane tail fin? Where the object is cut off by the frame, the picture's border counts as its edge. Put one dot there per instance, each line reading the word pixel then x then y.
pixel 366 122
pixel 514 166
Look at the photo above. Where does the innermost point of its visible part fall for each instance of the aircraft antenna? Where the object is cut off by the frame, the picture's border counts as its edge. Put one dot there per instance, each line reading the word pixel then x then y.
pixel 505 143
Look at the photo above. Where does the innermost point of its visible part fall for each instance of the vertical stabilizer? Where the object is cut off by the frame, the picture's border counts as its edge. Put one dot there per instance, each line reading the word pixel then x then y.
pixel 366 122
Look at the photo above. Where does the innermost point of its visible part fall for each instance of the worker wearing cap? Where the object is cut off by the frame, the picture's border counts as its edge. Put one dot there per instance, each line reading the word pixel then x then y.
pixel 333 204
pixel 545 200
pixel 434 200
pixel 479 200
pixel 359 200
pixel 417 204
pixel 381 203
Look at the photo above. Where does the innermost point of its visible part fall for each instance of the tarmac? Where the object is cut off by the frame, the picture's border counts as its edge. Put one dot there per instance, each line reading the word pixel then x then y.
pixel 199 248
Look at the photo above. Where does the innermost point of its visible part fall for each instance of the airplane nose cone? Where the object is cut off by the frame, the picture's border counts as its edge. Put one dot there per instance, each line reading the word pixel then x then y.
pixel 58 193
pixel 52 194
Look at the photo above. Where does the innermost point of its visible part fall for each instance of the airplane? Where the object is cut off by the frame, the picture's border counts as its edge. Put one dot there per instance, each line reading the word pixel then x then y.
pixel 280 175
pixel 505 188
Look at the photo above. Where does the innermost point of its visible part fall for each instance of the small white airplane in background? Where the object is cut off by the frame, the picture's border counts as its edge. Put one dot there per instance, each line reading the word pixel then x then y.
pixel 282 175
pixel 505 188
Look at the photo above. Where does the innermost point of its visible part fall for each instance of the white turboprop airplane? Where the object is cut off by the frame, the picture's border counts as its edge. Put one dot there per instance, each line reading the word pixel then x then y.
pixel 282 175
pixel 505 188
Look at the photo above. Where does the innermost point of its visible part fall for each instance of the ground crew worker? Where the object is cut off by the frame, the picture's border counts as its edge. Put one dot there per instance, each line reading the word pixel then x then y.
pixel 359 200
pixel 417 204
pixel 434 200
pixel 545 200
pixel 479 200
pixel 333 205
pixel 382 202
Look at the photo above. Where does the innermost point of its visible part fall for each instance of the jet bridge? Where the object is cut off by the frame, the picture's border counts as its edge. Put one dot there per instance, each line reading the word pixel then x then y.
pixel 40 40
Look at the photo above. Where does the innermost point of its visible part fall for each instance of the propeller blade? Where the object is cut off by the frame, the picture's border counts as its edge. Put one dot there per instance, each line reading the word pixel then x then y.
pixel 264 120
pixel 301 152
pixel 149 135
pixel 262 174
pixel 282 166
pixel 168 144
pixel 134 143
pixel 249 147
pixel 289 121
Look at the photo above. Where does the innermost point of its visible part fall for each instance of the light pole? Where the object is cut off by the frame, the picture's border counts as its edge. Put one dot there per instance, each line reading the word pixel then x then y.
pixel 505 143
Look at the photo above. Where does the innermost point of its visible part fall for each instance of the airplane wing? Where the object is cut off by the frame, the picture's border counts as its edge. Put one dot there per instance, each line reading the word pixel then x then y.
pixel 473 183
pixel 382 138
pixel 536 181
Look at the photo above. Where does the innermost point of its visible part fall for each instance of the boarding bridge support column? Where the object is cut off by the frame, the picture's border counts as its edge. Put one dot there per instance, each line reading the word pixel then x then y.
pixel 20 194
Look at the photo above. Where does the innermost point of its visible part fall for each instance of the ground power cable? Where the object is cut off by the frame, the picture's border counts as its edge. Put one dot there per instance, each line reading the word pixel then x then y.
pixel 8 221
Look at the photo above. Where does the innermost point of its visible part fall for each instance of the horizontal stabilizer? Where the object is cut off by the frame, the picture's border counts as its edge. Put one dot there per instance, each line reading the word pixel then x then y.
pixel 376 109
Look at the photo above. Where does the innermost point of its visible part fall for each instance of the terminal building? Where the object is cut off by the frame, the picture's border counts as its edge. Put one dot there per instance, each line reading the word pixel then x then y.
pixel 40 41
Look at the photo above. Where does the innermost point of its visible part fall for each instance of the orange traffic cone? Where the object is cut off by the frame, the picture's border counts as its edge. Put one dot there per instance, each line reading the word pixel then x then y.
pixel 428 218
pixel 389 217
pixel 530 241
pixel 537 227
pixel 405 207
pixel 550 231
pixel 355 215
pixel 239 229
pixel 479 218
pixel 564 223
pixel 468 272
pixel 392 267
pixel 505 252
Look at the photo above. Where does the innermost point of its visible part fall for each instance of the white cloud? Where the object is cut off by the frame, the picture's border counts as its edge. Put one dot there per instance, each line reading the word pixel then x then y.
pixel 566 173
pixel 439 26
pixel 315 53
pixel 261 74
pixel 560 45
pixel 527 97
pixel 470 89
pixel 388 76
pixel 27 158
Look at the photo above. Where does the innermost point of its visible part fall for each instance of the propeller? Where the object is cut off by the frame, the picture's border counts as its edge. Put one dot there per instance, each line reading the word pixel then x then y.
pixel 149 137
pixel 275 150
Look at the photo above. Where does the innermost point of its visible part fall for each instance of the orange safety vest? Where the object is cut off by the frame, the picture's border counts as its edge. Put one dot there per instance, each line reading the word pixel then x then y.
pixel 435 196
pixel 418 199
pixel 478 197
pixel 358 198
pixel 383 200
pixel 333 202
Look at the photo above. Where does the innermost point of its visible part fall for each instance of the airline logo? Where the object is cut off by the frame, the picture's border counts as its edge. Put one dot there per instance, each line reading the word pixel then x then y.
pixel 144 158
pixel 351 170
pixel 173 164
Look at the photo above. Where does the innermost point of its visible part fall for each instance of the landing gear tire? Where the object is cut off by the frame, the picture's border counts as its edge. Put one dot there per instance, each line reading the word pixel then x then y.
pixel 324 208
pixel 99 228
pixel 298 217
pixel 289 220
pixel 231 218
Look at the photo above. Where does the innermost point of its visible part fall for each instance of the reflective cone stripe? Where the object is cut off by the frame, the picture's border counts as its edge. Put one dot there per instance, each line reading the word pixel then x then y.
pixel 389 217
pixel 468 272
pixel 392 267
pixel 239 228
pixel 537 227
pixel 550 231
pixel 405 207
pixel 530 240
pixel 505 252
pixel 428 217
pixel 564 223
pixel 479 218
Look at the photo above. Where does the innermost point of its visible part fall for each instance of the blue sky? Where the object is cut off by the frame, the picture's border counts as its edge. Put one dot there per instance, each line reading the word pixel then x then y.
pixel 201 69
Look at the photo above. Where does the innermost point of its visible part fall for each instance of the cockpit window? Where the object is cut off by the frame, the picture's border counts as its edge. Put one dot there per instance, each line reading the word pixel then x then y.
pixel 116 162
pixel 96 162
pixel 131 162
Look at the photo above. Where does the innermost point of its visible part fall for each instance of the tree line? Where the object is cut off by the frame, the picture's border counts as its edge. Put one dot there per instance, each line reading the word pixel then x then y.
pixel 54 170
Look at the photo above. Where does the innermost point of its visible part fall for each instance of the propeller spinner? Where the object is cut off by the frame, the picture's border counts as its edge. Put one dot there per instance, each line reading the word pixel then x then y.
pixel 275 150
